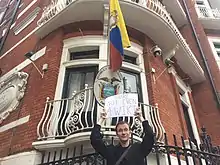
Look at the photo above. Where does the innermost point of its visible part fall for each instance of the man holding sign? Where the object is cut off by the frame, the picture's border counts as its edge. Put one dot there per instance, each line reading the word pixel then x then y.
pixel 124 153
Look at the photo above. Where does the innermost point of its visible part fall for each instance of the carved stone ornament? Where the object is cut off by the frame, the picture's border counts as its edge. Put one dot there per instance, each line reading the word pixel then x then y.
pixel 107 83
pixel 11 92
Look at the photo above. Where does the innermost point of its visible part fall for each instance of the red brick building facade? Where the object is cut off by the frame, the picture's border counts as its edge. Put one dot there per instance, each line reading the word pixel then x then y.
pixel 70 38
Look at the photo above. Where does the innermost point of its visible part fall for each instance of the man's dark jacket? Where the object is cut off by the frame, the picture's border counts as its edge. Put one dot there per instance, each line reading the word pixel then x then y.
pixel 111 153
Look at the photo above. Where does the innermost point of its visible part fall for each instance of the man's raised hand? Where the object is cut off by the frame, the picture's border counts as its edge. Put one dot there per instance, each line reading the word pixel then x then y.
pixel 103 117
pixel 138 114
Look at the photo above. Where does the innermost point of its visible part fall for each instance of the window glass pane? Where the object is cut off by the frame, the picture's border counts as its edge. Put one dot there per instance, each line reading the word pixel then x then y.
pixel 83 104
pixel 217 45
pixel 74 83
pixel 89 79
pixel 130 59
pixel 200 2
pixel 130 82
pixel 132 85
pixel 77 78
pixel 84 52
pixel 188 122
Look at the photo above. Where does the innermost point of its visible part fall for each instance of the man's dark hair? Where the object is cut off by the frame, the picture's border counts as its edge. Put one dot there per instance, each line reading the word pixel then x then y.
pixel 120 123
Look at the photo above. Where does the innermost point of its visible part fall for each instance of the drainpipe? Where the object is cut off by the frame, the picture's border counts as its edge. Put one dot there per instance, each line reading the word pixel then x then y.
pixel 215 92
pixel 11 21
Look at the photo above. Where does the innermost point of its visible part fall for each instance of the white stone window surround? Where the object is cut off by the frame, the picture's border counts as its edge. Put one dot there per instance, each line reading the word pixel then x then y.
pixel 204 4
pixel 13 25
pixel 1 15
pixel 185 91
pixel 215 51
pixel 26 21
pixel 101 42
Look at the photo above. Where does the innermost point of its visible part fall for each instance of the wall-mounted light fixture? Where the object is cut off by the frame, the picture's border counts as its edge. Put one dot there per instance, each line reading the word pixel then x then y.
pixel 168 62
pixel 44 68
pixel 169 54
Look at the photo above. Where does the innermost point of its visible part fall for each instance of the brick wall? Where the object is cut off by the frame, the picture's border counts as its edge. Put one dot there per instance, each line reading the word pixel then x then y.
pixel 20 138
pixel 163 92
pixel 202 94
pixel 16 56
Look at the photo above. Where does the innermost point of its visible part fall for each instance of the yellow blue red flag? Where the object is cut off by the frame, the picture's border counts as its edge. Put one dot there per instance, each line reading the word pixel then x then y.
pixel 118 36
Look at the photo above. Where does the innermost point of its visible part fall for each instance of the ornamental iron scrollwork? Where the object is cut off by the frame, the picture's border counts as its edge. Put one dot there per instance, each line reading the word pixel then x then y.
pixel 80 112
pixel 137 127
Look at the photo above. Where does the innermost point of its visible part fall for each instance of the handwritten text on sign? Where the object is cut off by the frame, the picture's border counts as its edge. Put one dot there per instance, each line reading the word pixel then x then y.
pixel 121 105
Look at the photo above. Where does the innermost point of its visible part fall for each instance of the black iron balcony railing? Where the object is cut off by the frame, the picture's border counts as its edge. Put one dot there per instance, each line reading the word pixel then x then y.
pixel 180 152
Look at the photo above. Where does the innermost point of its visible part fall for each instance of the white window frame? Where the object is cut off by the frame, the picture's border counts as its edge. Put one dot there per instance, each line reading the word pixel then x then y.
pixel 101 42
pixel 206 5
pixel 186 90
pixel 1 15
pixel 213 40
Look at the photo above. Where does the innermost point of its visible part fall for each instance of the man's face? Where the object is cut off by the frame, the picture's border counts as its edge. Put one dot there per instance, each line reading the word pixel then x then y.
pixel 123 132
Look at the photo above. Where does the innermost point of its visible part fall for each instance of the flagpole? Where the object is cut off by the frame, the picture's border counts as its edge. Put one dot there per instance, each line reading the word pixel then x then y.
pixel 108 35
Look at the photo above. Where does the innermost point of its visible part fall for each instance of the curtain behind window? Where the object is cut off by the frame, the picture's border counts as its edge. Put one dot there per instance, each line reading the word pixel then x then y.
pixel 77 78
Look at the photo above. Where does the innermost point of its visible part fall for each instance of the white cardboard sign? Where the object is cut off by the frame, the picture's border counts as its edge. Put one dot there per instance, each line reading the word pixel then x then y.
pixel 121 105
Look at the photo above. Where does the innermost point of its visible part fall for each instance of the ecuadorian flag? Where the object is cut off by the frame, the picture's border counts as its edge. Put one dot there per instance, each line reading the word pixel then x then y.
pixel 118 36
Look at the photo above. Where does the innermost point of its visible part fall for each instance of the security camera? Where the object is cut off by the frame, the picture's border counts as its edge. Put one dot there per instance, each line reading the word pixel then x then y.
pixel 156 51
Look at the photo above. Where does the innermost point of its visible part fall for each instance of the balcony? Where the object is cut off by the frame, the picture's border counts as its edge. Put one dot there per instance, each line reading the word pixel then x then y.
pixel 210 18
pixel 68 121
pixel 150 17
pixel 176 10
